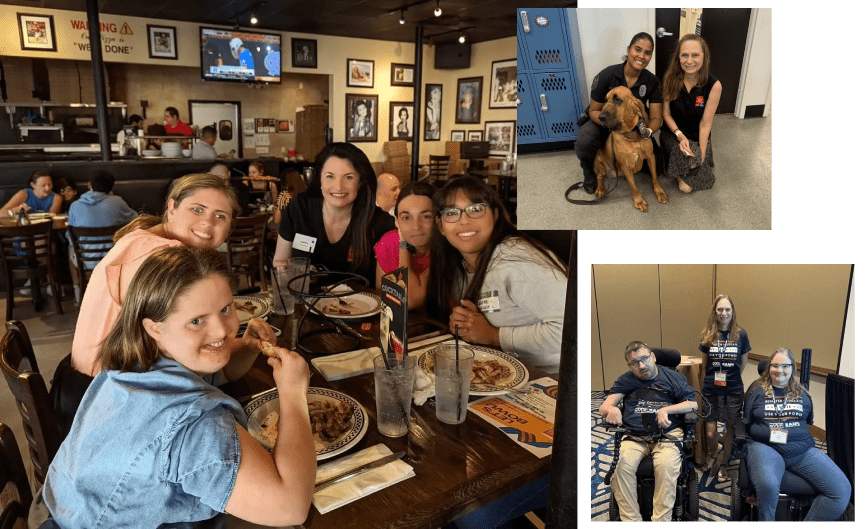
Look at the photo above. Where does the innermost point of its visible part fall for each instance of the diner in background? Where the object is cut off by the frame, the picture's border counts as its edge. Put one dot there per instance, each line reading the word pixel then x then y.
pixel 408 246
pixel 292 185
pixel 199 212
pixel 501 287
pixel 38 198
pixel 387 191
pixel 337 210
pixel 241 190
pixel 69 191
pixel 203 147
pixel 173 125
pixel 159 443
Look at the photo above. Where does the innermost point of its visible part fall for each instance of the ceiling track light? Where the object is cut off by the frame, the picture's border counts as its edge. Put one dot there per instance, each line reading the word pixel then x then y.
pixel 462 38
pixel 402 16
pixel 438 10
pixel 253 19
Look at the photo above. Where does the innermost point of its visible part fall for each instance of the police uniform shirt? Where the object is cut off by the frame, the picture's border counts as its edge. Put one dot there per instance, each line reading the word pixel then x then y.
pixel 688 109
pixel 762 415
pixel 648 396
pixel 725 356
pixel 647 88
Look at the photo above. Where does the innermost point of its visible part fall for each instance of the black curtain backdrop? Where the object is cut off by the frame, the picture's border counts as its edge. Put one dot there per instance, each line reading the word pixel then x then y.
pixel 841 425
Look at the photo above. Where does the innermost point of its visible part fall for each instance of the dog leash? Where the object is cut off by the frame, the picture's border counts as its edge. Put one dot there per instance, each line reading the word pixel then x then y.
pixel 580 185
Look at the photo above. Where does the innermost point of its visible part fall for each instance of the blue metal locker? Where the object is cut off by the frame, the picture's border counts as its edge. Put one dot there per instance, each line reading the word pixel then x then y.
pixel 556 100
pixel 528 126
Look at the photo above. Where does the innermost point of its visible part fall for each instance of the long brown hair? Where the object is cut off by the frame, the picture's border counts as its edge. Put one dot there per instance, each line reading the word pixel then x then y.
pixel 162 279
pixel 794 388
pixel 674 78
pixel 711 331
pixel 448 271
pixel 181 189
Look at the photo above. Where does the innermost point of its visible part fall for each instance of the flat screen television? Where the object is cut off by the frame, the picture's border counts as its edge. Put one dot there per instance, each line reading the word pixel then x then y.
pixel 242 56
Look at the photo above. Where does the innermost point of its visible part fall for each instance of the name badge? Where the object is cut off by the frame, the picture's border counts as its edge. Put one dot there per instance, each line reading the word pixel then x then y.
pixel 720 379
pixel 777 435
pixel 490 304
pixel 304 243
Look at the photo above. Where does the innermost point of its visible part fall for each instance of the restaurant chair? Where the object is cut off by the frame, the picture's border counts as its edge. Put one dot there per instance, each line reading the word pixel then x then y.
pixel 16 495
pixel 439 169
pixel 89 246
pixel 18 363
pixel 245 248
pixel 26 252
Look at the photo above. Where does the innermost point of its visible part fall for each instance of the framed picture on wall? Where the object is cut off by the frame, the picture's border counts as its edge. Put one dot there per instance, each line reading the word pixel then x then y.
pixel 304 53
pixel 469 97
pixel 433 113
pixel 401 120
pixel 37 32
pixel 361 73
pixel 401 74
pixel 475 135
pixel 500 134
pixel 503 84
pixel 458 135
pixel 361 117
pixel 162 42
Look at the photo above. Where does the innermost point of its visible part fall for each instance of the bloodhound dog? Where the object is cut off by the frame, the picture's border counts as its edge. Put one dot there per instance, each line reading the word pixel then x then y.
pixel 620 114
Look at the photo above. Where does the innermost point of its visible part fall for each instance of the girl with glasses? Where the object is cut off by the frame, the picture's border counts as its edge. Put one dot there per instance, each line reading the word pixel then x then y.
pixel 725 349
pixel 777 416
pixel 502 288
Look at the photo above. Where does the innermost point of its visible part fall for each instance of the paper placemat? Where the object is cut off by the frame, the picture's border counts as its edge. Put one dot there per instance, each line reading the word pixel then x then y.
pixel 347 491
pixel 359 362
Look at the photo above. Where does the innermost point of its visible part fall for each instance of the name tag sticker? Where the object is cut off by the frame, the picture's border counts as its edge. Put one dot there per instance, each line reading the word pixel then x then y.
pixel 490 304
pixel 304 243
pixel 720 379
pixel 777 435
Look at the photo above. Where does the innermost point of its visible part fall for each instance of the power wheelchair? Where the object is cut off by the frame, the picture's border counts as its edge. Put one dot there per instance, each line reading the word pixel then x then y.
pixel 686 506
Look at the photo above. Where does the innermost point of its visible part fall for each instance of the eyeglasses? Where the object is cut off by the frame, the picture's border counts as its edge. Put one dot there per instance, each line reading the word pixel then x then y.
pixel 781 366
pixel 474 211
pixel 641 360
pixel 66 190
pixel 723 310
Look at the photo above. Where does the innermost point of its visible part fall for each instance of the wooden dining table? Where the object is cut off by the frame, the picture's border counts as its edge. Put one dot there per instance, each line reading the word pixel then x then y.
pixel 458 468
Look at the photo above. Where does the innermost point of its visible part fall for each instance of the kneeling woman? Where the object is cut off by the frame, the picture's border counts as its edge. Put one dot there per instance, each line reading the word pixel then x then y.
pixel 777 414
pixel 408 246
pixel 691 96
pixel 154 439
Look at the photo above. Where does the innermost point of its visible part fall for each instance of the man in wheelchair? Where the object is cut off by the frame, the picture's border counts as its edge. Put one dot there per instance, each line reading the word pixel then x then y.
pixel 664 393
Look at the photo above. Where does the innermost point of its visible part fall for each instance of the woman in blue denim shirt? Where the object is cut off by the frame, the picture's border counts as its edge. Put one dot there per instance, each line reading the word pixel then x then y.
pixel 154 442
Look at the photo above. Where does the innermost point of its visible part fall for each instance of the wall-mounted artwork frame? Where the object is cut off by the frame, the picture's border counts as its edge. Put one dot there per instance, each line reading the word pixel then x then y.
pixel 162 42
pixel 37 32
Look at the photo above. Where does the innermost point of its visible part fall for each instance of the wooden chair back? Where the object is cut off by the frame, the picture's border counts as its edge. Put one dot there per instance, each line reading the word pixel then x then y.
pixel 18 363
pixel 16 495
pixel 89 246
pixel 26 252
pixel 246 247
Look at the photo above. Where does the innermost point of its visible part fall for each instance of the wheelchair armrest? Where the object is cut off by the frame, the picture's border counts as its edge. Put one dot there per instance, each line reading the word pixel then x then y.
pixel 691 417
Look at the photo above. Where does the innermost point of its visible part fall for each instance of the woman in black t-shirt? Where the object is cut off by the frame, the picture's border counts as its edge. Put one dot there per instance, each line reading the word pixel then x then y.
pixel 691 96
pixel 725 348
pixel 338 211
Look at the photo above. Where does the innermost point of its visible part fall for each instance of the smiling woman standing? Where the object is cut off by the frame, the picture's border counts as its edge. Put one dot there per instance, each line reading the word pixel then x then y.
pixel 725 348
pixel 691 96
pixel 337 210
pixel 642 83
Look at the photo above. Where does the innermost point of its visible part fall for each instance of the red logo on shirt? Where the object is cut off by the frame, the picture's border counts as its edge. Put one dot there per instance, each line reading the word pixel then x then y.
pixel 700 101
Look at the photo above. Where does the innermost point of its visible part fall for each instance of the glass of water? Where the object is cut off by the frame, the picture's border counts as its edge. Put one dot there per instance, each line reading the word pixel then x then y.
pixel 453 380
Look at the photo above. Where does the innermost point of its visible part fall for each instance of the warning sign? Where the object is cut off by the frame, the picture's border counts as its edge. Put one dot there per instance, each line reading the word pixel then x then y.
pixel 125 30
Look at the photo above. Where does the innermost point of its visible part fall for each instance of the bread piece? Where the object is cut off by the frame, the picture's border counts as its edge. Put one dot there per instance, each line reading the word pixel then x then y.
pixel 268 349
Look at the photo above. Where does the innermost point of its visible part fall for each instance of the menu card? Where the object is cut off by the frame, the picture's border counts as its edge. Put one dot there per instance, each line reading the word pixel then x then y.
pixel 527 419
pixel 394 314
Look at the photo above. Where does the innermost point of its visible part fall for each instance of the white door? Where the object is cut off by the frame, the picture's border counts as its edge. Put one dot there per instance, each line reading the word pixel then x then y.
pixel 224 116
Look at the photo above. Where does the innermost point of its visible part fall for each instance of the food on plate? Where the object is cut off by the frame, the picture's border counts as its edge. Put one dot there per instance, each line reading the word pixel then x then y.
pixel 246 306
pixel 489 372
pixel 268 349
pixel 338 309
pixel 330 420
pixel 270 428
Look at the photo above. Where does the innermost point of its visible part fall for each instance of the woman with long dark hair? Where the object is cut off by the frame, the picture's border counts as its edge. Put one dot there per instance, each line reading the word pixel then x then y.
pixel 338 210
pixel 691 96
pixel 777 416
pixel 501 287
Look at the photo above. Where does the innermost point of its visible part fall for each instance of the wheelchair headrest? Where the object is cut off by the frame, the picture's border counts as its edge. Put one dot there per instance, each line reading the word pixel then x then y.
pixel 761 367
pixel 667 357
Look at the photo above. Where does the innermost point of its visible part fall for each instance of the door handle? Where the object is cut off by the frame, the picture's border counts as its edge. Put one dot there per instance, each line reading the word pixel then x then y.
pixel 544 106
pixel 525 18
pixel 663 33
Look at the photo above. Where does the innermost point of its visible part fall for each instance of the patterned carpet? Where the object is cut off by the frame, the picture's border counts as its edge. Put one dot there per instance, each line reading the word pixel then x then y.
pixel 714 496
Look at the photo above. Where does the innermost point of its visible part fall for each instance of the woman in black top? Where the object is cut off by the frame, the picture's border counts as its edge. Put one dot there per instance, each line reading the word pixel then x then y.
pixel 642 83
pixel 337 210
pixel 691 96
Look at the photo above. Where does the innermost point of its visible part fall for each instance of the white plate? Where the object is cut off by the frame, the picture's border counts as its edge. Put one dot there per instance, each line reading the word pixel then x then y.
pixel 518 377
pixel 40 215
pixel 362 305
pixel 249 307
pixel 268 402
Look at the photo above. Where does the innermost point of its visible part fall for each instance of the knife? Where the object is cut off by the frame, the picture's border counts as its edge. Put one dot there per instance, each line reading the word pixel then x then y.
pixel 358 471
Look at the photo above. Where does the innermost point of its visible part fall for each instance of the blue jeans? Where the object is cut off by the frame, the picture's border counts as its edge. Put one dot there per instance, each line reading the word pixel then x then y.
pixel 500 512
pixel 766 467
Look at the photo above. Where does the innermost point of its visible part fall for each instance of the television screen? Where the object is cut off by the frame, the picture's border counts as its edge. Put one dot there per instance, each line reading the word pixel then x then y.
pixel 228 55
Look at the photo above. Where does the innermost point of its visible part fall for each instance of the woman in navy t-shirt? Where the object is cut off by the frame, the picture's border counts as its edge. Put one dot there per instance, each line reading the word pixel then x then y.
pixel 777 416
